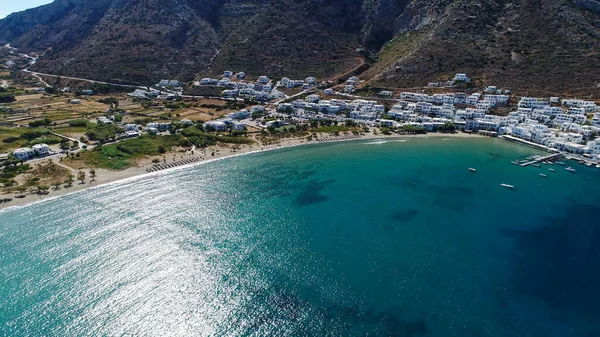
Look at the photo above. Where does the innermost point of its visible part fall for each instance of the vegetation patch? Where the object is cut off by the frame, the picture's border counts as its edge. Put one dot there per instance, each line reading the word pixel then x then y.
pixel 201 138
pixel 123 154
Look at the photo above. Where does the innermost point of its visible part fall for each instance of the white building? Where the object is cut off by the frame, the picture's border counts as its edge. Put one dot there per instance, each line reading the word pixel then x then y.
pixel 241 114
pixel 41 149
pixel 75 101
pixel 24 153
pixel 593 147
pixel 533 102
pixel 313 98
pixel 217 126
pixel 130 127
pixel 388 123
pixel 238 126
pixel 596 120
pixel 461 78
pixel 263 79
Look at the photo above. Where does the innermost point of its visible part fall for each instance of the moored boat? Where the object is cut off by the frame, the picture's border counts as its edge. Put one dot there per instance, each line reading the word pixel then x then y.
pixel 543 175
pixel 507 185
pixel 551 170
pixel 570 169
pixel 560 163
pixel 472 169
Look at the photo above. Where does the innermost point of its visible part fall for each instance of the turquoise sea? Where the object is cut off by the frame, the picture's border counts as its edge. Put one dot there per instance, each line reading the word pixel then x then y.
pixel 364 238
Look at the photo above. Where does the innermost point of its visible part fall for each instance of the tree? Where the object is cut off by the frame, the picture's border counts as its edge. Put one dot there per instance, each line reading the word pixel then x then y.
pixel 69 180
pixel 7 98
pixel 161 149
pixel 93 175
pixel 56 185
pixel 81 176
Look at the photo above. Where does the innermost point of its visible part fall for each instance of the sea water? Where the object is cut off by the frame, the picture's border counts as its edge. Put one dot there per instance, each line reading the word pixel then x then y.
pixel 365 238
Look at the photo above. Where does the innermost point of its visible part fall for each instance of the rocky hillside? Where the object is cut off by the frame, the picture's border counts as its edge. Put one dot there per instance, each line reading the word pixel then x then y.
pixel 545 46
pixel 551 45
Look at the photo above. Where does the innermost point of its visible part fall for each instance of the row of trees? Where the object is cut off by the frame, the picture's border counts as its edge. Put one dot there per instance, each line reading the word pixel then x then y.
pixel 81 176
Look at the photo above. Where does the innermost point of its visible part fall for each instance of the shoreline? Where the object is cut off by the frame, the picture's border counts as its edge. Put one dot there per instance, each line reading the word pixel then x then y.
pixel 107 177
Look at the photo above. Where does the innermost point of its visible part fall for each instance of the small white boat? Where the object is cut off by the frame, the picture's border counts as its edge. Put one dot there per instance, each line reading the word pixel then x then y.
pixel 536 165
pixel 507 185
pixel 543 175
pixel 515 162
pixel 472 169
pixel 570 169
pixel 559 163
pixel 551 170
pixel 598 166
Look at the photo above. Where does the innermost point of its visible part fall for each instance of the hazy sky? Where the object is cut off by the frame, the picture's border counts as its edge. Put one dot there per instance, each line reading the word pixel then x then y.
pixel 10 6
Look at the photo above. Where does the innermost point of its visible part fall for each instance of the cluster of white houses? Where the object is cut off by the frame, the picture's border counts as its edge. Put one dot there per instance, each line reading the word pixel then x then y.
pixel 169 84
pixel 553 123
pixel 38 150
pixel 357 109
pixel 232 121
pixel 262 90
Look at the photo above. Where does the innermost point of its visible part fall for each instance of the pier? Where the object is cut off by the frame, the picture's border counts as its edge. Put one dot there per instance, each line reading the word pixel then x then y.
pixel 541 159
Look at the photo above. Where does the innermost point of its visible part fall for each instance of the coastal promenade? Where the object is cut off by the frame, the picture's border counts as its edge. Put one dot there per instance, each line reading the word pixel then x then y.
pixel 528 143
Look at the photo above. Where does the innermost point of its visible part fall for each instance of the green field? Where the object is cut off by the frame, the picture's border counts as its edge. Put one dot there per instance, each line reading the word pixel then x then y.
pixel 123 154
pixel 14 138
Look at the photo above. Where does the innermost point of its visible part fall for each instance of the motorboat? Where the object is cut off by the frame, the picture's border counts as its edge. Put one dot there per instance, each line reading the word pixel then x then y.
pixel 570 169
pixel 507 186
pixel 551 170
pixel 536 165
pixel 472 169
pixel 543 175
pixel 559 163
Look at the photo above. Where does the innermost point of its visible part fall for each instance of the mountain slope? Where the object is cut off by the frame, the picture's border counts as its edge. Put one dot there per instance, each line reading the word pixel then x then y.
pixel 550 45
pixel 544 45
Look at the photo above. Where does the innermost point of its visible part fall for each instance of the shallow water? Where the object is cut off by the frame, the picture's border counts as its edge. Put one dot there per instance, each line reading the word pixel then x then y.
pixel 360 238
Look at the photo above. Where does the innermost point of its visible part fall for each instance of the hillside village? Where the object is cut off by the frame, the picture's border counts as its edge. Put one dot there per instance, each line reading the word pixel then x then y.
pixel 87 127
pixel 569 125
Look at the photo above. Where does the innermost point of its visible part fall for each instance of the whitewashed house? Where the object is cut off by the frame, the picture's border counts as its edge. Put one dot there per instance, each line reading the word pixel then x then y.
pixel 41 149
pixel 24 153
pixel 313 98
pixel 236 126
pixel 461 78
pixel 217 126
